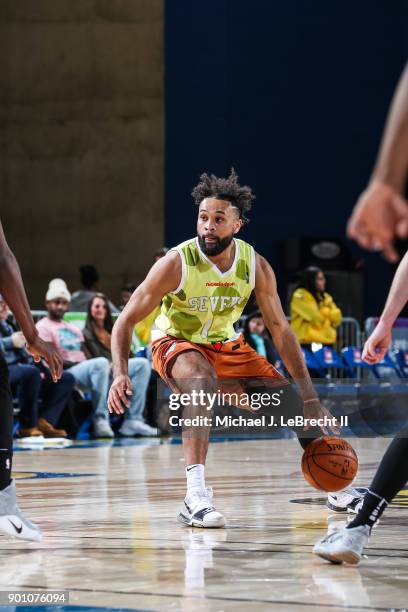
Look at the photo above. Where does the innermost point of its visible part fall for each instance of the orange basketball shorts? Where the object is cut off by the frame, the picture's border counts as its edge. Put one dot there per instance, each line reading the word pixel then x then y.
pixel 231 360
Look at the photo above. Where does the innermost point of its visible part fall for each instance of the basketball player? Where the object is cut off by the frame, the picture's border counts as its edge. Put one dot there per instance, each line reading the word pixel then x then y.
pixel 12 521
pixel 205 283
pixel 347 544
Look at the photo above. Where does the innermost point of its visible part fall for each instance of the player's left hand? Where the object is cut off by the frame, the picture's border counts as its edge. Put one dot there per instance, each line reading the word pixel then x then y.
pixel 377 344
pixel 316 410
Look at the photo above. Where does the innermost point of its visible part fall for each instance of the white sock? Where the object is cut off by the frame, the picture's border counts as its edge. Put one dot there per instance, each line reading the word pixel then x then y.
pixel 195 477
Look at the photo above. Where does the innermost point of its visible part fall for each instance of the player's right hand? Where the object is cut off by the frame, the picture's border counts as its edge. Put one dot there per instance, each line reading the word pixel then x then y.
pixel 377 344
pixel 316 410
pixel 118 398
pixel 379 217
pixel 38 348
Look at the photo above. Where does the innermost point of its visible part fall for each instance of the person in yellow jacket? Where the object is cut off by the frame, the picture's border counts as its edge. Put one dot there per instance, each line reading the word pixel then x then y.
pixel 314 315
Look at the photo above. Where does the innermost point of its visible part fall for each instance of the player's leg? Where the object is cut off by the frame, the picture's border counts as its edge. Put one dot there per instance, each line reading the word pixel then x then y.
pixel 347 544
pixel 190 373
pixel 12 521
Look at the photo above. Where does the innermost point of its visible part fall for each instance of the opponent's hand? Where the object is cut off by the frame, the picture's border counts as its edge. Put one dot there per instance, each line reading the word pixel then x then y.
pixel 377 344
pixel 316 410
pixel 40 349
pixel 118 399
pixel 379 217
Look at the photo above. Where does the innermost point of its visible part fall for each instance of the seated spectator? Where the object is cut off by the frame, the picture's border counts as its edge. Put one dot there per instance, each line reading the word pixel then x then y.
pixel 32 383
pixel 97 334
pixel 126 294
pixel 160 253
pixel 144 328
pixel 314 315
pixel 257 337
pixel 90 375
pixel 90 282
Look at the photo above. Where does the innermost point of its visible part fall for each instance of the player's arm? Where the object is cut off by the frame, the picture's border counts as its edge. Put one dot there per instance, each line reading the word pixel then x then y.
pixel 381 213
pixel 285 340
pixel 392 163
pixel 12 288
pixel 379 341
pixel 164 277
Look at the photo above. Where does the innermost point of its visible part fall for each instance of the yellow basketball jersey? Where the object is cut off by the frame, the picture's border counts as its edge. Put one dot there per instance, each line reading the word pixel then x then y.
pixel 206 304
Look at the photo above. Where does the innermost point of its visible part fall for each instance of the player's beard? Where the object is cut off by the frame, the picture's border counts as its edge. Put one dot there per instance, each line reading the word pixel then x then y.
pixel 217 247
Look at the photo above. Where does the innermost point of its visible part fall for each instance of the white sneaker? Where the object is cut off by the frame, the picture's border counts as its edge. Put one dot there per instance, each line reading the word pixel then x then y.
pixel 198 510
pixel 102 429
pixel 344 545
pixel 12 520
pixel 132 427
pixel 347 500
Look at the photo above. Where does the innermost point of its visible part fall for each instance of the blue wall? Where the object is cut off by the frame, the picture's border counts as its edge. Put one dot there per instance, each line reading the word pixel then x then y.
pixel 293 95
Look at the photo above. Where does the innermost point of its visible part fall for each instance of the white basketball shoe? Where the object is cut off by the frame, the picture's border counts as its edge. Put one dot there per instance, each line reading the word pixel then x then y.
pixel 198 510
pixel 344 545
pixel 12 520
pixel 347 500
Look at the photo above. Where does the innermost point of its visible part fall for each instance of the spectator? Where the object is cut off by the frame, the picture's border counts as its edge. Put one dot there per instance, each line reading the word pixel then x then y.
pixel 314 314
pixel 144 328
pixel 31 383
pixel 126 294
pixel 90 375
pixel 97 334
pixel 90 282
pixel 160 253
pixel 257 337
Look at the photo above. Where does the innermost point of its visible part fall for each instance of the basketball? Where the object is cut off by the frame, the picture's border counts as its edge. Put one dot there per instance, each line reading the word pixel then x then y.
pixel 329 464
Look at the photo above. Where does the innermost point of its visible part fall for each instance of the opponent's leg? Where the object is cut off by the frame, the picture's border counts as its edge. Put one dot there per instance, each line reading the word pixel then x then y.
pixel 347 544
pixel 191 373
pixel 290 407
pixel 12 521
pixel 6 427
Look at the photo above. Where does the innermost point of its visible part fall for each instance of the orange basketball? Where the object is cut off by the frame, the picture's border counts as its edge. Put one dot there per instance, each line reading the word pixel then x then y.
pixel 329 464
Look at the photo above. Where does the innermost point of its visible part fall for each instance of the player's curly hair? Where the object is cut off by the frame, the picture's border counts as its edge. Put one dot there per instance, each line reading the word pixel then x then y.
pixel 210 186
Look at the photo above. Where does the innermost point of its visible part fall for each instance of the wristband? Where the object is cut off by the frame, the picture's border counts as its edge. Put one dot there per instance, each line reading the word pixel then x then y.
pixel 310 400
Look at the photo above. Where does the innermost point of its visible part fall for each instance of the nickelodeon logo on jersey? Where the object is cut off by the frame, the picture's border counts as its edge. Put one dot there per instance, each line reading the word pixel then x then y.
pixel 219 284
pixel 214 303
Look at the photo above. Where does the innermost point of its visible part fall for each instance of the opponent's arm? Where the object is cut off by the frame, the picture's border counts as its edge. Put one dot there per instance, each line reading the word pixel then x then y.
pixel 285 339
pixel 12 288
pixel 381 212
pixel 164 277
pixel 379 341
pixel 392 163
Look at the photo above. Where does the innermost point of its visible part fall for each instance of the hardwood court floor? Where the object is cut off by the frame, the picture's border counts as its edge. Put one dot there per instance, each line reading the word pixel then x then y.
pixel 111 538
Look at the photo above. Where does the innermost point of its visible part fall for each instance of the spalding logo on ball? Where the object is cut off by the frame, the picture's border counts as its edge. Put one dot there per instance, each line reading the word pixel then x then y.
pixel 329 464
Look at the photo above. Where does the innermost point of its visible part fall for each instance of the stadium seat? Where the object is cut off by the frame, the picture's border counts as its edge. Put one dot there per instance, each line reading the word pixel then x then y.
pixel 328 358
pixel 76 318
pixel 386 363
pixel 352 358
pixel 312 364
pixel 402 361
